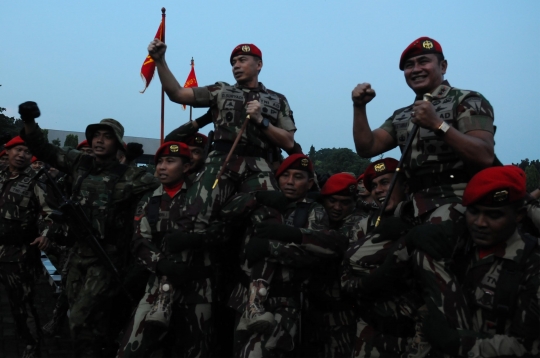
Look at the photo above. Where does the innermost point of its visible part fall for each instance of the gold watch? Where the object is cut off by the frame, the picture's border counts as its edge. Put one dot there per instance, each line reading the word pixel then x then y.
pixel 443 128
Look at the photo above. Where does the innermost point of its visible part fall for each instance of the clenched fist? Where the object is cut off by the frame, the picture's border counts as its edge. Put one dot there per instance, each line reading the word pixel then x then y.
pixel 157 49
pixel 29 110
pixel 362 94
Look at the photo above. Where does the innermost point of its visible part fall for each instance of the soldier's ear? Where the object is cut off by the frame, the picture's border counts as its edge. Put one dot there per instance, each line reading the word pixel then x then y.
pixel 444 66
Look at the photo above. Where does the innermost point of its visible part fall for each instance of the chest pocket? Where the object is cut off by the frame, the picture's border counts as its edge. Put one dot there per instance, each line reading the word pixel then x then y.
pixel 484 292
pixel 270 107
pixel 230 102
pixel 433 145
pixel 401 125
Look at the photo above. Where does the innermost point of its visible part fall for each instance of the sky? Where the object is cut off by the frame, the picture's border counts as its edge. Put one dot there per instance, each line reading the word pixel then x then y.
pixel 80 60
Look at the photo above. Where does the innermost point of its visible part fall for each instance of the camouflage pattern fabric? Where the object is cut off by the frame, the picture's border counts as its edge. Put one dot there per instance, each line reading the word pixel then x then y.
pixel 521 335
pixel 464 110
pixel 190 332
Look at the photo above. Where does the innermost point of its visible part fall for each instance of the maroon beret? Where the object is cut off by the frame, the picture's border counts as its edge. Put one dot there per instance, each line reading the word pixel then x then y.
pixel 196 140
pixel 378 168
pixel 14 142
pixel 172 149
pixel 340 184
pixel 2 153
pixel 360 178
pixel 496 186
pixel 295 161
pixel 246 49
pixel 84 143
pixel 420 46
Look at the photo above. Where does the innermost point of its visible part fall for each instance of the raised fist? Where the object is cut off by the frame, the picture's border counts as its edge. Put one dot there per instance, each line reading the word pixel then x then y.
pixel 134 150
pixel 29 110
pixel 362 94
pixel 157 49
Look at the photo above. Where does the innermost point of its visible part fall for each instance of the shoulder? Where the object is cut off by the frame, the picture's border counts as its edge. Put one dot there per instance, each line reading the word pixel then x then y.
pixel 399 111
pixel 141 177
pixel 277 94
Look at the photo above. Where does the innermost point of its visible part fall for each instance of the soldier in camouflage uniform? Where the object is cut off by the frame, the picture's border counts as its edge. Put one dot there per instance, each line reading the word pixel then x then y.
pixel 25 223
pixel 500 274
pixel 3 158
pixel 108 193
pixel 177 288
pixel 454 140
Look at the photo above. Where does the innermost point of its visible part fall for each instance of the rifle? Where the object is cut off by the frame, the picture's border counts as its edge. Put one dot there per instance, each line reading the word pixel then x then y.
pixel 85 231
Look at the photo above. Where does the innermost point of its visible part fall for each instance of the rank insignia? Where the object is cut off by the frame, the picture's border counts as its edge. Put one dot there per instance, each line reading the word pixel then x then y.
pixel 428 45
pixel 173 148
pixel 246 48
pixel 500 195
pixel 304 162
pixel 379 167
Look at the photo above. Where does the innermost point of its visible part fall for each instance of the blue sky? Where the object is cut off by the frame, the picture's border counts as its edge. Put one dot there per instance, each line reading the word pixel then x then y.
pixel 80 60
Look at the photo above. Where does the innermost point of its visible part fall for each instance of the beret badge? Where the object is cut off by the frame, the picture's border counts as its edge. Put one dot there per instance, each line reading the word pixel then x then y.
pixel 427 45
pixel 198 140
pixel 500 196
pixel 246 48
pixel 173 148
pixel 379 167
pixel 304 162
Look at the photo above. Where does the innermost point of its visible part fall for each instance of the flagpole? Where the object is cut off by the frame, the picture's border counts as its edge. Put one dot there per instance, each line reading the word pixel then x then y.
pixel 162 90
pixel 190 107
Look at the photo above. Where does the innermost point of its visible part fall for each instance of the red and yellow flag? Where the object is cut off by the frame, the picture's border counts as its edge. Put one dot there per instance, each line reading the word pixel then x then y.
pixel 191 79
pixel 148 68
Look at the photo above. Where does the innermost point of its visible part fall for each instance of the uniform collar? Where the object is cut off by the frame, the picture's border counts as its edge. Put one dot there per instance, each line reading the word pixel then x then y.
pixel 439 92
pixel 260 88
pixel 511 249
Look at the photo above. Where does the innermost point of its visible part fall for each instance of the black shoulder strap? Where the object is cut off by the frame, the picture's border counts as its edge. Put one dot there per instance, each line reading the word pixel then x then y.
pixel 85 167
pixel 152 213
pixel 301 215
pixel 508 284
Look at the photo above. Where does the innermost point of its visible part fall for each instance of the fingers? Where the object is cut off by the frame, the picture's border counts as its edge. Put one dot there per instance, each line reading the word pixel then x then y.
pixel 363 93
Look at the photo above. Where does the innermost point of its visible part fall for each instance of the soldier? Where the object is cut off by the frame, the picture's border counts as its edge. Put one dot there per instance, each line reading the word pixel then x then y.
pixel 36 164
pixel 365 200
pixel 25 224
pixel 197 144
pixel 85 148
pixel 108 193
pixel 175 300
pixel 501 274
pixel 3 158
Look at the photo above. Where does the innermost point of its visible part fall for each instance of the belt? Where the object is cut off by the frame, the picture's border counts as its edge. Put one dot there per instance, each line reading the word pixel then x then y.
pixel 449 177
pixel 244 150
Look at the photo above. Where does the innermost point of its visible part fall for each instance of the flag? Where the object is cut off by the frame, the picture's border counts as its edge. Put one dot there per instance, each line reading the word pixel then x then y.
pixel 191 79
pixel 148 68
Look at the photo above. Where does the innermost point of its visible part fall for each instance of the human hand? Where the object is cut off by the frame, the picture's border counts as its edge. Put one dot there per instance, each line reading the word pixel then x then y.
pixel 253 110
pixel 134 150
pixel 157 50
pixel 29 110
pixel 272 198
pixel 423 114
pixel 433 239
pixel 362 94
pixel 177 273
pixel 41 242
pixel 390 229
pixel 438 332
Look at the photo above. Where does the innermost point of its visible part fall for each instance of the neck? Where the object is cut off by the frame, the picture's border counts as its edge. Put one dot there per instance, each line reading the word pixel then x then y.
pixel 253 83
pixel 103 159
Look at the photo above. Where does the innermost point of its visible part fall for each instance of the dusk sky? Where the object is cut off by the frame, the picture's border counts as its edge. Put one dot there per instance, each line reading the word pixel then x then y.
pixel 80 60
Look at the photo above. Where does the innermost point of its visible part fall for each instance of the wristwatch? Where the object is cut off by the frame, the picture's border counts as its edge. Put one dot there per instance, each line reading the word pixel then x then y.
pixel 443 128
pixel 264 123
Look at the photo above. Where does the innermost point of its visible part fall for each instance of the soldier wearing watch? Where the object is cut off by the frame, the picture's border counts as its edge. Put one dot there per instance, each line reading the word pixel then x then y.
pixel 443 128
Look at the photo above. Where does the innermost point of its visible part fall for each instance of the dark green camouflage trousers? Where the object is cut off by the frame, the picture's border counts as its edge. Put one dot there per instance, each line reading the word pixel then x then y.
pixel 189 334
pixel 18 279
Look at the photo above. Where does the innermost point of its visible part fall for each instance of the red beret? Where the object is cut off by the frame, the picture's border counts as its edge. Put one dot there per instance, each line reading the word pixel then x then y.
pixel 246 49
pixel 421 46
pixel 15 141
pixel 295 161
pixel 196 140
pixel 84 143
pixel 172 149
pixel 378 168
pixel 360 178
pixel 2 153
pixel 496 186
pixel 33 159
pixel 340 184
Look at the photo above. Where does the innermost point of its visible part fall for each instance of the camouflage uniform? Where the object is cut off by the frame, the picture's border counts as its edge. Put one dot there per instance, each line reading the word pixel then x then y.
pixel 24 216
pixel 108 193
pixel 292 266
pixel 249 168
pixel 191 321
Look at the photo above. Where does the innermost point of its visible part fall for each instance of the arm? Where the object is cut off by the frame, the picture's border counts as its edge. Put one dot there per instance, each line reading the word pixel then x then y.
pixel 175 92
pixel 281 137
pixel 368 143
pixel 188 129
pixel 47 226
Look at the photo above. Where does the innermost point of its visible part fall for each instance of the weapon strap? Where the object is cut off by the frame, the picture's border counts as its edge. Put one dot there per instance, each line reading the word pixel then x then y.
pixel 508 284
pixel 301 215
pixel 152 213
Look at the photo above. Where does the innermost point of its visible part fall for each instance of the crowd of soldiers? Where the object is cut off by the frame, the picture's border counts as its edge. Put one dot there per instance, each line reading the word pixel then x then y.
pixel 229 250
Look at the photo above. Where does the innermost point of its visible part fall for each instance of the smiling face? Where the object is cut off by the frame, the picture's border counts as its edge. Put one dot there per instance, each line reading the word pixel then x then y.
pixel 379 191
pixel 245 69
pixel 295 184
pixel 104 144
pixel 19 157
pixel 37 165
pixel 489 226
pixel 338 206
pixel 171 170
pixel 197 158
pixel 424 73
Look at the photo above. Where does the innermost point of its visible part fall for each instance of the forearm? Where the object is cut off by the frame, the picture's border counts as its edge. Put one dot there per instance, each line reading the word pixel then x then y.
pixel 362 134
pixel 477 153
pixel 174 90
pixel 280 137
pixel 184 131
pixel 47 152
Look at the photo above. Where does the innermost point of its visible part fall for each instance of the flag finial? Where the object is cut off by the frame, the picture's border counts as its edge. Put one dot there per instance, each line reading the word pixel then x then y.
pixel 163 10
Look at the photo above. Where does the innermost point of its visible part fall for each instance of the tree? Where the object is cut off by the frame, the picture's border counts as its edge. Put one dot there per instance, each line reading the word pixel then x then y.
pixel 9 126
pixel 337 160
pixel 57 142
pixel 46 134
pixel 312 153
pixel 72 140
pixel 533 178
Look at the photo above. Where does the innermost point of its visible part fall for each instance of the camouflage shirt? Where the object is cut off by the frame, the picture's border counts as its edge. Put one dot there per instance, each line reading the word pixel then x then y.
pixel 228 105
pixel 25 212
pixel 522 330
pixel 462 109
pixel 107 192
